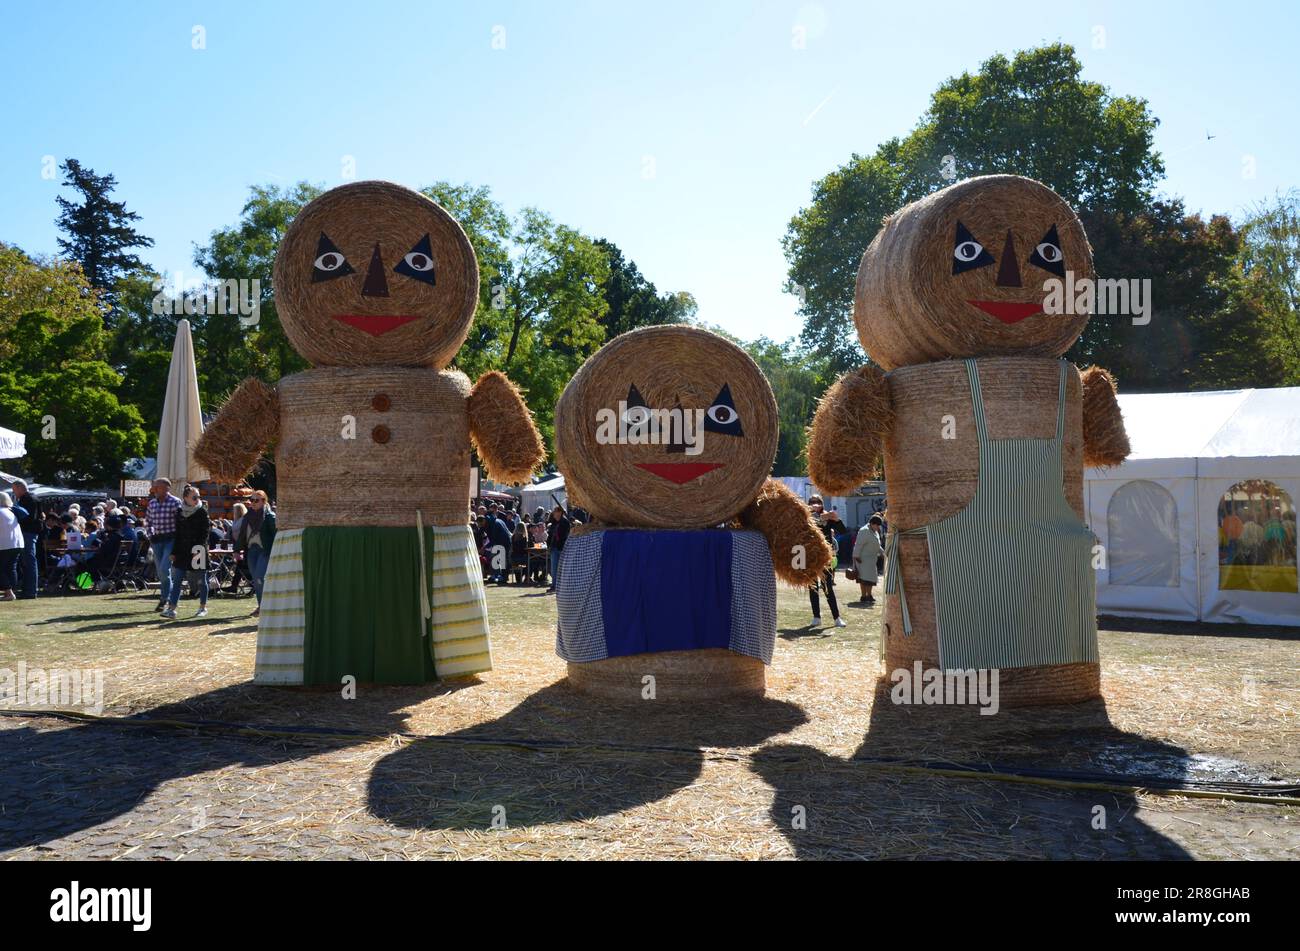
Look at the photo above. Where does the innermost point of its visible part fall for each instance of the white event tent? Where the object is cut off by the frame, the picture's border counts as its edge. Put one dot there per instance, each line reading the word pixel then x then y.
pixel 1199 522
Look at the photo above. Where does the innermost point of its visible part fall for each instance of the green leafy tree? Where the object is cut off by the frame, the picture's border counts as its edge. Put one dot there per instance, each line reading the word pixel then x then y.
pixel 56 286
pixel 1030 115
pixel 99 232
pixel 1206 326
pixel 798 380
pixel 1270 261
pixel 246 251
pixel 64 398
pixel 635 302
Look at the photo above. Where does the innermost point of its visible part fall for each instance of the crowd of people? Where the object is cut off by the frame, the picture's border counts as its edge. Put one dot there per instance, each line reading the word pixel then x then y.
pixel 171 543
pixel 521 546
pixel 175 539
pixel 867 561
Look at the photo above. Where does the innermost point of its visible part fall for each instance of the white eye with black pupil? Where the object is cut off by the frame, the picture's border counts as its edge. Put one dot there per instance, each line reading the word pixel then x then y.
pixel 636 415
pixel 329 261
pixel 418 262
pixel 1049 252
pixel 967 251
pixel 722 415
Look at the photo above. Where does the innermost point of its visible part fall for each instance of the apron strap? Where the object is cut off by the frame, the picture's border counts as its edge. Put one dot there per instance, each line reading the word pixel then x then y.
pixel 977 401
pixel 894 576
pixel 1060 403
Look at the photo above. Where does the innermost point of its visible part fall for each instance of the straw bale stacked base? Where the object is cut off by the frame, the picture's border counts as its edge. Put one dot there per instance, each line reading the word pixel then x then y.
pixel 708 674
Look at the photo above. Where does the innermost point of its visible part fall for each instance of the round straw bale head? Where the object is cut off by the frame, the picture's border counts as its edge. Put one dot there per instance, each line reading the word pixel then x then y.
pixel 621 446
pixel 372 273
pixel 961 273
pixel 707 674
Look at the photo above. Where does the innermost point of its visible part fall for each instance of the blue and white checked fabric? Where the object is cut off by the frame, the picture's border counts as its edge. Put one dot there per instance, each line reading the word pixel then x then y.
pixel 580 632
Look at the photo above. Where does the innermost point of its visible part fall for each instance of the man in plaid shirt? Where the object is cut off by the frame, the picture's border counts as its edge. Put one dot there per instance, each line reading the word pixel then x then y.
pixel 160 522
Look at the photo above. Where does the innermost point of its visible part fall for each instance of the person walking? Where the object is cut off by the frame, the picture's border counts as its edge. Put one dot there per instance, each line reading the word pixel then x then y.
pixel 499 543
pixel 258 533
pixel 12 546
pixel 190 551
pixel 557 533
pixel 160 524
pixel 29 572
pixel 867 552
pixel 827 523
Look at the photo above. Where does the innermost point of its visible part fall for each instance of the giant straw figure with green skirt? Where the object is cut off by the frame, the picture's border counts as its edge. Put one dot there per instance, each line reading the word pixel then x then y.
pixel 374 573
pixel 966 302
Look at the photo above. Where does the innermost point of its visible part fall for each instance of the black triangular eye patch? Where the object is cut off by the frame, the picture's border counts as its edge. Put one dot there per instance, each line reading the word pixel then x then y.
pixel 967 252
pixel 634 397
pixel 329 262
pixel 1052 245
pixel 722 417
pixel 417 263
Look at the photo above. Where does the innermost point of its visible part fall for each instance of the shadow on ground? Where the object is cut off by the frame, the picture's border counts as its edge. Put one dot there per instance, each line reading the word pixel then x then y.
pixel 647 752
pixel 862 807
pixel 59 779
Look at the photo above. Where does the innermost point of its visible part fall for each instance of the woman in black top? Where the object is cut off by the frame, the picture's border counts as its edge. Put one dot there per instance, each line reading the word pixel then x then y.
pixel 190 551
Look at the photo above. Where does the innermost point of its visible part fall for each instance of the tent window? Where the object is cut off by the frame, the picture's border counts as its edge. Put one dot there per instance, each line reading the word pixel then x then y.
pixel 1257 538
pixel 1142 533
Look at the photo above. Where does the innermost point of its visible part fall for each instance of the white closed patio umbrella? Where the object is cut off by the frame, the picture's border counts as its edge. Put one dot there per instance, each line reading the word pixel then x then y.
pixel 182 420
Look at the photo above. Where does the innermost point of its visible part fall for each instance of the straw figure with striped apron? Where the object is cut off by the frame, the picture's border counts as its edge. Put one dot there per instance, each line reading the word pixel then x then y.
pixel 374 574
pixel 966 301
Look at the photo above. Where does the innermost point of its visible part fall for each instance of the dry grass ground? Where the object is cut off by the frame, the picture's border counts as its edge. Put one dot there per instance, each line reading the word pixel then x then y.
pixel 514 764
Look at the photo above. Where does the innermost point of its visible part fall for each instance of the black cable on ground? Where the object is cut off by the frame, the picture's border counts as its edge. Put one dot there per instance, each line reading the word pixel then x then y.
pixel 1282 794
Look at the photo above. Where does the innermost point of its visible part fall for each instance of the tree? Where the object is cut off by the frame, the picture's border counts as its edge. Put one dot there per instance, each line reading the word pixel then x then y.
pixel 1270 261
pixel 56 391
pixel 27 284
pixel 246 251
pixel 635 302
pixel 1206 325
pixel 798 379
pixel 1031 115
pixel 99 230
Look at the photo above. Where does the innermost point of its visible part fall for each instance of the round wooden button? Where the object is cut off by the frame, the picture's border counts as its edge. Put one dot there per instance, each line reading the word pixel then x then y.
pixel 381 403
pixel 380 434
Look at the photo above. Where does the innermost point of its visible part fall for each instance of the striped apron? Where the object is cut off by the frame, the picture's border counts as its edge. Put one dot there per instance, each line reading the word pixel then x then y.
pixel 1030 599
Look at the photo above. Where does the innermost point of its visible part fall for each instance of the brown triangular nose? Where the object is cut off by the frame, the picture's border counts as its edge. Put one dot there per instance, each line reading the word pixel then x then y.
pixel 376 285
pixel 1008 270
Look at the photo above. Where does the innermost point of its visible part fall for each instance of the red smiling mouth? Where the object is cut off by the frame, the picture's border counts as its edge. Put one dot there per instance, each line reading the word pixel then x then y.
pixel 377 324
pixel 1009 312
pixel 679 472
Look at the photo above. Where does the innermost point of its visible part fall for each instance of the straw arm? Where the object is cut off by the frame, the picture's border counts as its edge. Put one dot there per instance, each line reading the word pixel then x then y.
pixel 249 421
pixel 849 430
pixel 1105 442
pixel 502 429
pixel 800 552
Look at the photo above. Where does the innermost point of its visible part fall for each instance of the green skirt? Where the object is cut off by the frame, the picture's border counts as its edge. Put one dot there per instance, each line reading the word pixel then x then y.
pixel 345 602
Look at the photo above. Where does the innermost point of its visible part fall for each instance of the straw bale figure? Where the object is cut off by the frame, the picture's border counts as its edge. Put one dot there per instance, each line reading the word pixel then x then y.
pixel 984 430
pixel 668 434
pixel 373 572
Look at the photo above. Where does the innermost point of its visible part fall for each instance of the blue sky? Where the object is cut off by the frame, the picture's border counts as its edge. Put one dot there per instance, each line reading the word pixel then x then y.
pixel 687 133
